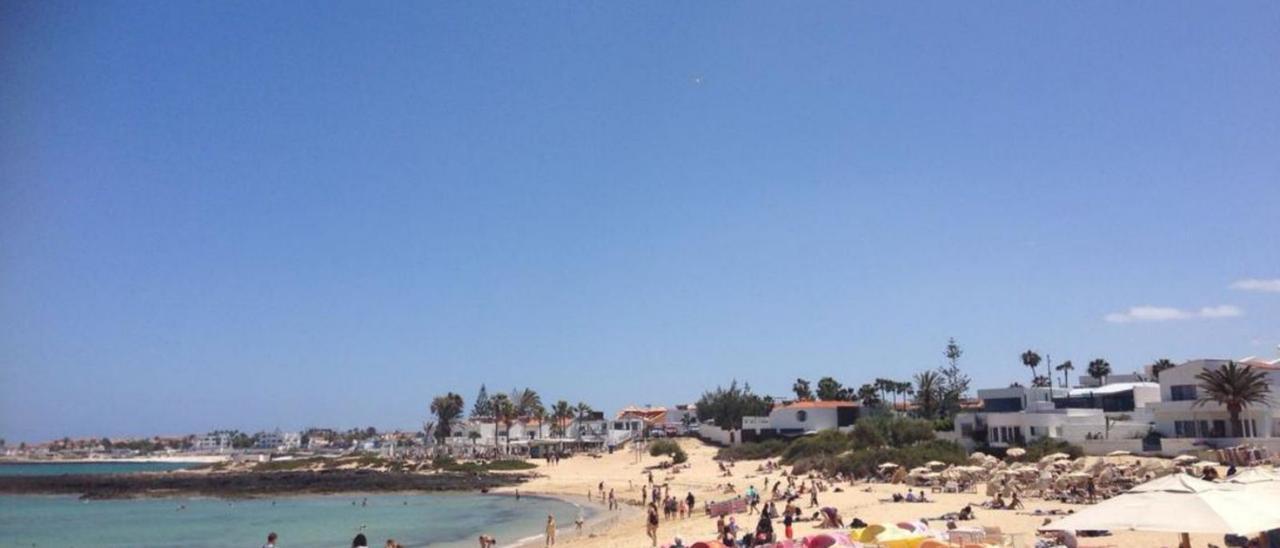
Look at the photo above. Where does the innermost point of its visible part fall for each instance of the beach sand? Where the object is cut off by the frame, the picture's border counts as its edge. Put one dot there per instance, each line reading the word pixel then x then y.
pixel 624 471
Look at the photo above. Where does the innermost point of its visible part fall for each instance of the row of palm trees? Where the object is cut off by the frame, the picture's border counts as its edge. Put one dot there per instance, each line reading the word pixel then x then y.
pixel 505 410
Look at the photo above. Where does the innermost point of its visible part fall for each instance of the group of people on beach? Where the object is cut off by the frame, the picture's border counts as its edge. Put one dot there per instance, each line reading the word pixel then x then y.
pixel 360 541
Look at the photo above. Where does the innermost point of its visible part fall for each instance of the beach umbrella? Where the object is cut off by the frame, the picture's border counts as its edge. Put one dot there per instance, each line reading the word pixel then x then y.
pixel 1180 504
pixel 1185 459
pixel 978 456
pixel 1052 457
pixel 1119 454
pixel 825 540
pixel 918 471
pixel 935 464
pixel 1016 452
pixel 885 465
pixel 707 544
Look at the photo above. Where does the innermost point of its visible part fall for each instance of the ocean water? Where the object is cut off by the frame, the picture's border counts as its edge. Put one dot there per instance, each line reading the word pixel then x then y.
pixel 444 520
pixel 114 467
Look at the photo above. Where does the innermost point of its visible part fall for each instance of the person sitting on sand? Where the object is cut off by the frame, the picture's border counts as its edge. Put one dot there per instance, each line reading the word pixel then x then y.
pixel 830 518
pixel 911 496
pixel 921 497
pixel 966 513
pixel 1015 503
pixel 998 503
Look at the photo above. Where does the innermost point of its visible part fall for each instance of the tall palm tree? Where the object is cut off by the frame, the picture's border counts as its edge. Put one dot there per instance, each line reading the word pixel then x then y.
pixel 1065 367
pixel 560 413
pixel 1031 359
pixel 1236 388
pixel 504 413
pixel 584 410
pixel 526 400
pixel 447 409
pixel 929 393
pixel 1160 365
pixel 539 414
pixel 1099 369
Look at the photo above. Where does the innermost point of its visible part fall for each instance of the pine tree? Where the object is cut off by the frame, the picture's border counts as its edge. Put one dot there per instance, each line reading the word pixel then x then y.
pixel 483 406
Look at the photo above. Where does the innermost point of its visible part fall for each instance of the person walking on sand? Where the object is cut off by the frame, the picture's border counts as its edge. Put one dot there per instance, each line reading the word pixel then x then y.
pixel 551 530
pixel 651 527
pixel 613 502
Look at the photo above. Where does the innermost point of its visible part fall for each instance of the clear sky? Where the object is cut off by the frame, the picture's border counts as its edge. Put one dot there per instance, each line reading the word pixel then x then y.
pixel 249 215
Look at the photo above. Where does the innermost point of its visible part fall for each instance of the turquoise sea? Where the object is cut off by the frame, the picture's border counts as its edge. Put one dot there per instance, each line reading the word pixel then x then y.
pixel 313 521
pixel 114 467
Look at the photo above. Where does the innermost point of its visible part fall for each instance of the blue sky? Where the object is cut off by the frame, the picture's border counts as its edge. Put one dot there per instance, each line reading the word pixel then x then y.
pixel 229 214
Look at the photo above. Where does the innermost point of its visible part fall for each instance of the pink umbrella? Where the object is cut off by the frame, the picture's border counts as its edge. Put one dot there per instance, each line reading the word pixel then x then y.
pixel 826 540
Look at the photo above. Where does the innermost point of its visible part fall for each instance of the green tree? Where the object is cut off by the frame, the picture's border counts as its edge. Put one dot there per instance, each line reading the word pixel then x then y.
pixel 1031 359
pixel 725 407
pixel 1099 369
pixel 954 383
pixel 561 413
pixel 447 408
pixel 668 447
pixel 1235 388
pixel 1160 366
pixel 929 394
pixel 504 413
pixel 1065 368
pixel 483 408
pixel 830 389
pixel 584 410
pixel 869 395
pixel 802 390
pixel 526 401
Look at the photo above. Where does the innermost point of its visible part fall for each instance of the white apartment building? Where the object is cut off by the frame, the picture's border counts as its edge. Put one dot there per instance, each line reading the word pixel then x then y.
pixel 278 440
pixel 1019 415
pixel 218 441
pixel 1178 417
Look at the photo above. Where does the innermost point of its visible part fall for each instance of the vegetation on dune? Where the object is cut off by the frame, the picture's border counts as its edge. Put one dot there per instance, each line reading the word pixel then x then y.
pixel 668 448
pixel 1044 447
pixel 753 451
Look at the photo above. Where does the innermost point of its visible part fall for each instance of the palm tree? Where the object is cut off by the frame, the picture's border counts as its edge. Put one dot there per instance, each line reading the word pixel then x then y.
pixel 1236 388
pixel 539 414
pixel 928 393
pixel 1161 365
pixel 1065 367
pixel 504 413
pixel 447 409
pixel 584 410
pixel 526 400
pixel 1031 359
pixel 560 413
pixel 1099 369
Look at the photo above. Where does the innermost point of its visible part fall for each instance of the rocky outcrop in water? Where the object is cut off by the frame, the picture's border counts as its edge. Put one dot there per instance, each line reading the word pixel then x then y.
pixel 252 484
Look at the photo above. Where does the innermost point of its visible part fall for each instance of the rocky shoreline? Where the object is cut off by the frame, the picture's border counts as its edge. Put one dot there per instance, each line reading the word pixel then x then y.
pixel 252 484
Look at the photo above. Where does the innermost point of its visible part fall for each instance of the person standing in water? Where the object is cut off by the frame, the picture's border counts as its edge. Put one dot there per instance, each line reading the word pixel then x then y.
pixel 271 540
pixel 551 530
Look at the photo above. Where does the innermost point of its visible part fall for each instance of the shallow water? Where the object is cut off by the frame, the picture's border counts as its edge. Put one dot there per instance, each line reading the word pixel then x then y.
pixel 313 521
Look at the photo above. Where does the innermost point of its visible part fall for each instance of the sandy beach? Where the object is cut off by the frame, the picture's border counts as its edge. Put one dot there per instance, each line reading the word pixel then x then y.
pixel 625 472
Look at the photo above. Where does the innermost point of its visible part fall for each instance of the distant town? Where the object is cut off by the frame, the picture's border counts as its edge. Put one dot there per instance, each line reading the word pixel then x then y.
pixel 1164 409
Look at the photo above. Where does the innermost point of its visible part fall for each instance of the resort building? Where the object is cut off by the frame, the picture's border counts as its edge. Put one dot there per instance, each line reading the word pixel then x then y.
pixel 787 420
pixel 218 441
pixel 1186 425
pixel 1019 415
pixel 278 441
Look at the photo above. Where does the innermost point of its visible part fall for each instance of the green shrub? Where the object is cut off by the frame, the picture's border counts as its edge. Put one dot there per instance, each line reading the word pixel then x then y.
pixel 891 431
pixel 443 461
pixel 944 425
pixel 510 464
pixel 1043 447
pixel 863 462
pixel 824 443
pixel 753 451
pixel 669 448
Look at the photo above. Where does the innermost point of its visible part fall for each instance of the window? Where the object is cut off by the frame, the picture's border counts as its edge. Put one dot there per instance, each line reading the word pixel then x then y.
pixel 1182 392
pixel 1184 429
pixel 801 415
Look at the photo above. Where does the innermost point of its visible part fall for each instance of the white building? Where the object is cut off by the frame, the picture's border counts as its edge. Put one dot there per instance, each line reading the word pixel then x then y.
pixel 278 440
pixel 218 441
pixel 788 420
pixel 1178 417
pixel 1019 415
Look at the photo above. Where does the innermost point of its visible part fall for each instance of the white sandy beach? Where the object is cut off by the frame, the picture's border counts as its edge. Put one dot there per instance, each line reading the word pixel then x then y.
pixel 625 472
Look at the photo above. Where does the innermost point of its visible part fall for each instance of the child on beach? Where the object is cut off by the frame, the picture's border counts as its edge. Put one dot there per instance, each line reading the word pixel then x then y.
pixel 551 530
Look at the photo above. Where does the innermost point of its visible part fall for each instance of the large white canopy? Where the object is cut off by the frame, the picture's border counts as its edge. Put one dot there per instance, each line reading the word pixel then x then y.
pixel 1181 504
